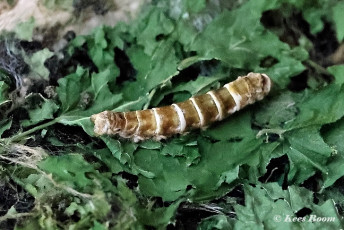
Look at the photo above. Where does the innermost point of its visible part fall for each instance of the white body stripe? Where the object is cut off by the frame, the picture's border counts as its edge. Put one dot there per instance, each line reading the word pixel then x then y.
pixel 217 103
pixel 126 121
pixel 236 97
pixel 138 121
pixel 182 121
pixel 268 83
pixel 199 112
pixel 157 121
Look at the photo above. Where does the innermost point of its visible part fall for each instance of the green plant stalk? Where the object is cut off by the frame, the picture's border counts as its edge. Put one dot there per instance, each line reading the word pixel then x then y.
pixel 317 67
pixel 22 135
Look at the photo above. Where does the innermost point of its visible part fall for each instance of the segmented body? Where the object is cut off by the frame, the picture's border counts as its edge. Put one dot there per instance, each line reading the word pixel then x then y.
pixel 199 111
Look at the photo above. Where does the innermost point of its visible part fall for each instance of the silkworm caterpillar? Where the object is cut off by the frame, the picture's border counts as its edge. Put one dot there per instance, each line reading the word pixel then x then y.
pixel 197 112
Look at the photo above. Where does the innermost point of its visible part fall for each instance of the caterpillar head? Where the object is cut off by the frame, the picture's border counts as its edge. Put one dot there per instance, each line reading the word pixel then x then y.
pixel 107 122
pixel 267 83
pixel 260 85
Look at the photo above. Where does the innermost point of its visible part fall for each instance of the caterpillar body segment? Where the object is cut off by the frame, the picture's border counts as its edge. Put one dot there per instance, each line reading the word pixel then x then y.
pixel 197 112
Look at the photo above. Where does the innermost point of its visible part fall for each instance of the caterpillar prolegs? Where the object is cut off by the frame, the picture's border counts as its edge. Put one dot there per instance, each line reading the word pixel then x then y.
pixel 199 111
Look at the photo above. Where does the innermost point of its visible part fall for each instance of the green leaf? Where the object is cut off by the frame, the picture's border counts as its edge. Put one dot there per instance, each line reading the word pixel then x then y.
pixel 36 63
pixel 190 61
pixel 240 40
pixel 79 120
pixel 228 177
pixel 278 112
pixel 185 90
pixel 58 4
pixel 24 30
pixel 320 107
pixel 307 153
pixel 178 148
pixel 3 93
pixel 319 11
pixel 303 116
pixel 118 150
pixel 163 66
pixel 283 70
pixel 76 108
pixel 270 207
pixel 289 111
pixel 218 164
pixel 107 158
pixel 98 226
pixel 77 42
pixel 100 52
pixel 73 171
pixel 338 18
pixel 201 85
pixel 153 23
pixel 234 128
pixel 338 73
pixel 159 217
pixel 195 6
pixel 333 136
pixel 43 112
pixel 313 17
pixel 5 125
pixel 70 88
pixel 260 208
pixel 153 72
pixel 215 222
pixel 142 63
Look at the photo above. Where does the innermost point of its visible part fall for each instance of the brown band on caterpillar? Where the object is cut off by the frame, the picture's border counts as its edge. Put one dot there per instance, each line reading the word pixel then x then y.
pixel 199 111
